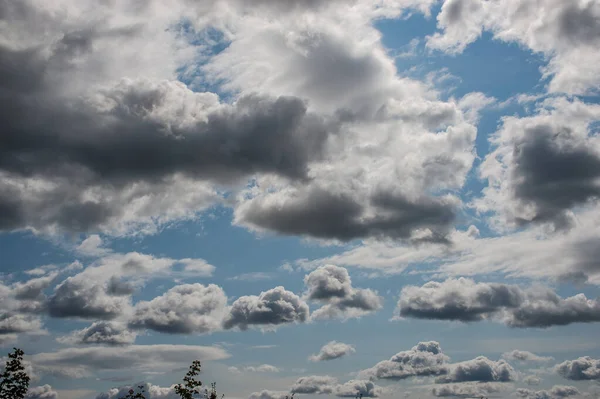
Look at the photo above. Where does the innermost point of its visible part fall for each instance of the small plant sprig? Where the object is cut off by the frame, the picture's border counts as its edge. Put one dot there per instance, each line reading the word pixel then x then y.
pixel 14 381
pixel 191 385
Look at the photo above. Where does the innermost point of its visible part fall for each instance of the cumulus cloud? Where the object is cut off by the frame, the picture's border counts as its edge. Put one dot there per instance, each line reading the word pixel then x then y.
pixel 150 391
pixel 41 392
pixel 480 369
pixel 268 310
pixel 332 350
pixel 525 356
pixel 424 359
pixel 568 33
pixel 556 392
pixel 102 332
pixel 467 389
pixel 314 384
pixel 87 361
pixel 465 300
pixel 326 385
pixel 332 286
pixel 583 368
pixel 266 394
pixel 184 309
pixel 543 165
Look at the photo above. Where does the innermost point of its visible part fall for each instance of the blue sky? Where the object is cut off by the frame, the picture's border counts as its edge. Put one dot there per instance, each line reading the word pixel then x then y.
pixel 244 182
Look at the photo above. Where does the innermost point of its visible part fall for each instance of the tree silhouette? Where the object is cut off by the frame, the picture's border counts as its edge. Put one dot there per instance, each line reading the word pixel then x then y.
pixel 14 381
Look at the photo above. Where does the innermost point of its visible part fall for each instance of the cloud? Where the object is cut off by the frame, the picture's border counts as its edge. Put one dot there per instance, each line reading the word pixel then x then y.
pixel 556 392
pixel 150 392
pixel 532 380
pixel 263 368
pixel 102 332
pixel 266 394
pixel 332 350
pixel 41 392
pixel 566 33
pixel 526 356
pixel 583 368
pixel 80 298
pixel 332 286
pixel 87 361
pixel 184 309
pixel 268 310
pixel 352 388
pixel 467 389
pixel 314 384
pixel 424 359
pixel 465 300
pixel 480 369
pixel 326 385
pixel 92 245
pixel 543 165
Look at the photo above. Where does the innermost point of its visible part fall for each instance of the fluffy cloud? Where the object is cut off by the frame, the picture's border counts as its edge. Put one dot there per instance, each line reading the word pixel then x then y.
pixel 424 359
pixel 150 392
pixel 314 384
pixel 332 286
pixel 543 165
pixel 479 369
pixel 102 332
pixel 556 392
pixel 568 33
pixel 184 309
pixel 525 356
pixel 584 368
pixel 269 309
pixel 85 299
pixel 352 388
pixel 83 362
pixel 467 389
pixel 326 385
pixel 465 300
pixel 332 350
pixel 265 394
pixel 128 155
pixel 41 392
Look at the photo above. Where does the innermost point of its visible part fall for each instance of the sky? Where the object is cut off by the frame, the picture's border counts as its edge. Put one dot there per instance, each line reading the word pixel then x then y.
pixel 389 198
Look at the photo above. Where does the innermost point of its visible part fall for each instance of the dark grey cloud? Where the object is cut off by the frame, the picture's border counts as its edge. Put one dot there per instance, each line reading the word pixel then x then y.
pixel 320 213
pixel 268 310
pixel 332 286
pixel 583 368
pixel 457 299
pixel 554 170
pixel 41 392
pixel 480 369
pixel 332 350
pixel 184 309
pixel 467 301
pixel 80 297
pixel 135 132
pixel 102 332
pixel 424 359
pixel 467 389
pixel 556 392
pixel 117 287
